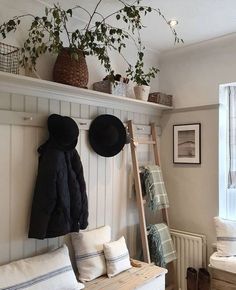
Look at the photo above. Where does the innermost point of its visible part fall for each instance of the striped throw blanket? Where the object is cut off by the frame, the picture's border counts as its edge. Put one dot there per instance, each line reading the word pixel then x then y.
pixel 161 247
pixel 154 187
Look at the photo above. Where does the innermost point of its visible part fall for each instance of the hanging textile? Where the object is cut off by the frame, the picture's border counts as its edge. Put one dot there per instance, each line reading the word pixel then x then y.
pixel 161 246
pixel 155 188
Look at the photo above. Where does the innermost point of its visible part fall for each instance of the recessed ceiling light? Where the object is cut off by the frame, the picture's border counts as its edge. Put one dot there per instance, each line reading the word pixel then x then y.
pixel 173 22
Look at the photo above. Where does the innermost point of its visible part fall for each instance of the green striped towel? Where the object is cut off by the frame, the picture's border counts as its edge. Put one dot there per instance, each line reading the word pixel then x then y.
pixel 154 187
pixel 161 246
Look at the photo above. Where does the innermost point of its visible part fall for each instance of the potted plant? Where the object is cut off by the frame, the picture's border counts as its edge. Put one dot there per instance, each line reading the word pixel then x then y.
pixel 97 37
pixel 141 78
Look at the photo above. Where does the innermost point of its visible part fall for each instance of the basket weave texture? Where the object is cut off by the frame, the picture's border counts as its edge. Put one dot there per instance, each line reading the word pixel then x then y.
pixel 160 98
pixel 9 58
pixel 70 71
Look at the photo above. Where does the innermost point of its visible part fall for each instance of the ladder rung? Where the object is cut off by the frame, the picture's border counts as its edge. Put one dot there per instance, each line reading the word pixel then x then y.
pixel 146 142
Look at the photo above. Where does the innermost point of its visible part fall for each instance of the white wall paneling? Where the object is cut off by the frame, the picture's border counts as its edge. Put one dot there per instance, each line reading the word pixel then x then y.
pixel 22 130
pixel 5 189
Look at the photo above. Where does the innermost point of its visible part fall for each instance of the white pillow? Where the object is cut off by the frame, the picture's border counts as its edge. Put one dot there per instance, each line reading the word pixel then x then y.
pixel 89 255
pixel 50 271
pixel 117 257
pixel 226 236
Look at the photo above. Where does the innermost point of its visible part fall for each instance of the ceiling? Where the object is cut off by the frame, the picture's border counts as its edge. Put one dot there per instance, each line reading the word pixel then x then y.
pixel 199 20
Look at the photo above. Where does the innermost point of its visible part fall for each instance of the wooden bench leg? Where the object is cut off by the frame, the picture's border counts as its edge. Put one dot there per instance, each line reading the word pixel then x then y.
pixel 172 283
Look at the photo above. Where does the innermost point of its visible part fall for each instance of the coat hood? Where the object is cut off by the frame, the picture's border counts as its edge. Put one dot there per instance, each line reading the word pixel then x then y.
pixel 63 130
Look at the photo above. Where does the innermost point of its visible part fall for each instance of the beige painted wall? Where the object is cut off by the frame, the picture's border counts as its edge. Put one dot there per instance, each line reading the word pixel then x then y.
pixel 192 189
pixel 193 75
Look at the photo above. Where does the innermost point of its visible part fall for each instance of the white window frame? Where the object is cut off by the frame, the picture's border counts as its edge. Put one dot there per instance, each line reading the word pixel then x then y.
pixel 224 191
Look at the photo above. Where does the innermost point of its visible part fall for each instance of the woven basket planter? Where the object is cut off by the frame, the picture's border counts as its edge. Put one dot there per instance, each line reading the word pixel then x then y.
pixel 70 71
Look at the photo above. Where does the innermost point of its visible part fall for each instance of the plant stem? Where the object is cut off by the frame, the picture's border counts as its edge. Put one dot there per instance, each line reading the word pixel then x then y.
pixel 177 39
pixel 128 33
pixel 24 15
pixel 95 10
pixel 66 30
pixel 82 8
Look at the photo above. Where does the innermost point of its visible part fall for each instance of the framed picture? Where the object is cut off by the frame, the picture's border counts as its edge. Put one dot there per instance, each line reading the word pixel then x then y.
pixel 187 143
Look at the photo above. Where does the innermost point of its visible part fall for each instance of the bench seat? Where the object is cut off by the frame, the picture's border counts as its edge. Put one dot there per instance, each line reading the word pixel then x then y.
pixel 145 277
pixel 221 279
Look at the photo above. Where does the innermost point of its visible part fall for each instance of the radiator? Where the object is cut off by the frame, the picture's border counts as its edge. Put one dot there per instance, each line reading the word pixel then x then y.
pixel 191 252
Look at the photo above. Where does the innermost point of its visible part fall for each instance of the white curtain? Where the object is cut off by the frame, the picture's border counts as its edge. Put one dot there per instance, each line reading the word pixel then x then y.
pixel 232 137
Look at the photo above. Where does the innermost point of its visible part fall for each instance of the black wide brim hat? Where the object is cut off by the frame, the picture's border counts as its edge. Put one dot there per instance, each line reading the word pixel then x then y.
pixel 63 131
pixel 107 135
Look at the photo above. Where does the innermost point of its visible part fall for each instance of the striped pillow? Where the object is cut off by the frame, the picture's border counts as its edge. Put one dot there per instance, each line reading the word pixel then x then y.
pixel 51 271
pixel 89 255
pixel 226 236
pixel 117 257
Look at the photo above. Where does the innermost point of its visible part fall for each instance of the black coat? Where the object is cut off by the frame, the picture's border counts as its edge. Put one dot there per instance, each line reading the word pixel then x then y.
pixel 60 201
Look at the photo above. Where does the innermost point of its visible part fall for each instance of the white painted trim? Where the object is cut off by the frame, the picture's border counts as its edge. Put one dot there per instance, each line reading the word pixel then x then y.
pixel 27 86
pixel 223 153
pixel 40 120
pixel 34 119
pixel 193 108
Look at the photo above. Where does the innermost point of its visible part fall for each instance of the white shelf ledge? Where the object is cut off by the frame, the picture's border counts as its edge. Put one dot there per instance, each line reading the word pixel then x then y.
pixel 18 84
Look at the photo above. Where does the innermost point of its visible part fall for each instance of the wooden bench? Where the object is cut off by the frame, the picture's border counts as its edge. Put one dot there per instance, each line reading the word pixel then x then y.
pixel 222 279
pixel 145 277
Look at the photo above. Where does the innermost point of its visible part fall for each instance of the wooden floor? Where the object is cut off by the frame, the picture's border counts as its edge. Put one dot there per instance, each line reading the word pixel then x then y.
pixel 135 278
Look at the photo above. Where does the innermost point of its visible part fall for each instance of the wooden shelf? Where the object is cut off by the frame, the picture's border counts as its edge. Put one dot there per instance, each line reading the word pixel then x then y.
pixel 18 84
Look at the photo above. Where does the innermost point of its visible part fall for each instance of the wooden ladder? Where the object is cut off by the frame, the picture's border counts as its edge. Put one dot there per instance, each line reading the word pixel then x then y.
pixel 138 189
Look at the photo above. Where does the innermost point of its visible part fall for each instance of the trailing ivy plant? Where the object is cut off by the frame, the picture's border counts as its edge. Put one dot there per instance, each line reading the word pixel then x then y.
pixel 137 73
pixel 97 37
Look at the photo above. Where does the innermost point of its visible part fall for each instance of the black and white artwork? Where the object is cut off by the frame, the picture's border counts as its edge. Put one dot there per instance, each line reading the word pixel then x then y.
pixel 186 143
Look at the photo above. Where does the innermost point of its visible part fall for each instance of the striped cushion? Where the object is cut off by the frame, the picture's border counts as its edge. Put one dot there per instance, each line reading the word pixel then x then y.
pixel 226 237
pixel 89 255
pixel 117 257
pixel 50 271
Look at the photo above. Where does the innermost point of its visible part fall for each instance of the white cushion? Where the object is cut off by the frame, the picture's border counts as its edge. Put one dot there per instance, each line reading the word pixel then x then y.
pixel 223 263
pixel 117 257
pixel 226 236
pixel 89 255
pixel 52 271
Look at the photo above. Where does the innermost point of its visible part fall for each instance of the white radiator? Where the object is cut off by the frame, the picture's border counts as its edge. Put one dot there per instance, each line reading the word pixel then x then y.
pixel 191 252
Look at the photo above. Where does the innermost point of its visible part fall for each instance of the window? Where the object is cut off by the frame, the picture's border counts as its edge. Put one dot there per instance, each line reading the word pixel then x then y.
pixel 227 152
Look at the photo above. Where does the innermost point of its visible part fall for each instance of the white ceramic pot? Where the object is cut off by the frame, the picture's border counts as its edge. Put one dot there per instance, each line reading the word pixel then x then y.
pixel 142 92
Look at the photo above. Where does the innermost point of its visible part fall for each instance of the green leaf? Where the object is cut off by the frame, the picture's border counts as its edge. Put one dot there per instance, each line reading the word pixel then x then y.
pixel 55 14
pixel 58 21
pixel 11 22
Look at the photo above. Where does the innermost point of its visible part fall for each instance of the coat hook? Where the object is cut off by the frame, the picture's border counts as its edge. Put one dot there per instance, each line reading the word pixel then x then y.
pixel 83 123
pixel 28 118
pixel 140 128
